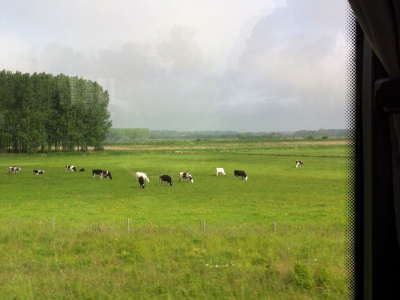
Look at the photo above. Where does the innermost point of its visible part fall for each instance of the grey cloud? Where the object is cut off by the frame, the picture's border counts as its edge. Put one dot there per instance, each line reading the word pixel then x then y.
pixel 289 76
pixel 283 61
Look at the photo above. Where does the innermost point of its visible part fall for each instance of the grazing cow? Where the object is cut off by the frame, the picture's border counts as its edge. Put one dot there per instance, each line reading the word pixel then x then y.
pixel 70 168
pixel 82 170
pixel 141 174
pixel 299 163
pixel 186 176
pixel 238 173
pixel 13 169
pixel 37 172
pixel 220 171
pixel 101 173
pixel 141 182
pixel 166 178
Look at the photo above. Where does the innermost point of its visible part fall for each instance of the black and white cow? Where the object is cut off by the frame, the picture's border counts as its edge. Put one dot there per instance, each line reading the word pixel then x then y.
pixel 37 172
pixel 299 163
pixel 141 174
pixel 101 173
pixel 14 169
pixel 141 182
pixel 186 176
pixel 70 168
pixel 238 173
pixel 166 178
pixel 82 170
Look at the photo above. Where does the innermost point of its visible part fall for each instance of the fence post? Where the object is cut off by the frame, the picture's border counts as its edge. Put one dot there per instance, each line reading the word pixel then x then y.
pixel 128 226
pixel 274 226
pixel 54 222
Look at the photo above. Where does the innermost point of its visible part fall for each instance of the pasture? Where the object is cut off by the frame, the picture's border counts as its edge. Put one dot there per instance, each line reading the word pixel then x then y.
pixel 279 235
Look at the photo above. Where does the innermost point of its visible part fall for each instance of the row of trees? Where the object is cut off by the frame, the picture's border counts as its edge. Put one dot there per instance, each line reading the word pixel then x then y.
pixel 42 112
pixel 302 134
pixel 128 134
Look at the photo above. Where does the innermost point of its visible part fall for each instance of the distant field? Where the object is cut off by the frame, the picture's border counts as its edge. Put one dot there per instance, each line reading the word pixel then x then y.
pixel 278 235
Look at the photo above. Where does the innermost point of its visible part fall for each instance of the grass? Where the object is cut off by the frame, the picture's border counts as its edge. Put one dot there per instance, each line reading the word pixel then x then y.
pixel 279 235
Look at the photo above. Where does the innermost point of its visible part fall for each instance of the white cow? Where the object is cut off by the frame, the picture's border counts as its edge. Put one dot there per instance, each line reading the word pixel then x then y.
pixel 220 171
pixel 141 174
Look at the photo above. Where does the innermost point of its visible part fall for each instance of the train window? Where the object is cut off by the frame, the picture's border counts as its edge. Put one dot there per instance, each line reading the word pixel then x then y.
pixel 280 70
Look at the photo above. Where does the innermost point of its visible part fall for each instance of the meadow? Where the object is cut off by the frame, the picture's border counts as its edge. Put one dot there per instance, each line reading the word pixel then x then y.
pixel 279 235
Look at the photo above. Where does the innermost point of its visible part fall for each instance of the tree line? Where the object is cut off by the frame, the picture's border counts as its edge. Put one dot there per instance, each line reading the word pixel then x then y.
pixel 301 134
pixel 128 134
pixel 42 112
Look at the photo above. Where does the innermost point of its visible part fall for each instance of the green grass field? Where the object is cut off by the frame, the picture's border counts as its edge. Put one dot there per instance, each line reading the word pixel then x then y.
pixel 279 235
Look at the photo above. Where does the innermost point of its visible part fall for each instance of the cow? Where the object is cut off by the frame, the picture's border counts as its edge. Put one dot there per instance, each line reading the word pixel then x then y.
pixel 82 170
pixel 141 174
pixel 141 182
pixel 166 178
pixel 186 176
pixel 70 168
pixel 220 171
pixel 238 173
pixel 299 163
pixel 14 169
pixel 37 172
pixel 101 173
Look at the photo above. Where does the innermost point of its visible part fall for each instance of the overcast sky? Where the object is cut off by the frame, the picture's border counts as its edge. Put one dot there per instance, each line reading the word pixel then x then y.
pixel 243 65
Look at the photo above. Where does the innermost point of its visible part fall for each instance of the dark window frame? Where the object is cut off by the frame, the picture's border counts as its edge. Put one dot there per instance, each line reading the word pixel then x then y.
pixel 376 249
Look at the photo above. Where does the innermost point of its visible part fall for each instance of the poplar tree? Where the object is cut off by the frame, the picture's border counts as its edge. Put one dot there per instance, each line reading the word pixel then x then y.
pixel 42 112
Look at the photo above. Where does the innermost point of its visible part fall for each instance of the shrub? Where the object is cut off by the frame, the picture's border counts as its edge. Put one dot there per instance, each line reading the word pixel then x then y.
pixel 303 277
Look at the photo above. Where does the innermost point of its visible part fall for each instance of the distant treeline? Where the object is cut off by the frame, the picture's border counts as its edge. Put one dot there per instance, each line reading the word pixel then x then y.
pixel 303 134
pixel 42 112
pixel 127 134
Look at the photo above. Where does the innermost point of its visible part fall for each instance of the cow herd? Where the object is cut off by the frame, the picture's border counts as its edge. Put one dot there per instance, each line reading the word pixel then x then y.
pixel 142 177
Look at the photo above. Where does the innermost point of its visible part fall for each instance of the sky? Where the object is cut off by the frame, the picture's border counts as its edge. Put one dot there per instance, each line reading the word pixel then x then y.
pixel 191 65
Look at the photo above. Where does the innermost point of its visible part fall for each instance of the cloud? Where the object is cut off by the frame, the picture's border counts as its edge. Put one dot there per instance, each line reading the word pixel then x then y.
pixel 193 65
pixel 290 72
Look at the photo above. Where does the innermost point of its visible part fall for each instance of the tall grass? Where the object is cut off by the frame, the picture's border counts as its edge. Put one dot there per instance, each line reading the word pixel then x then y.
pixel 279 235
